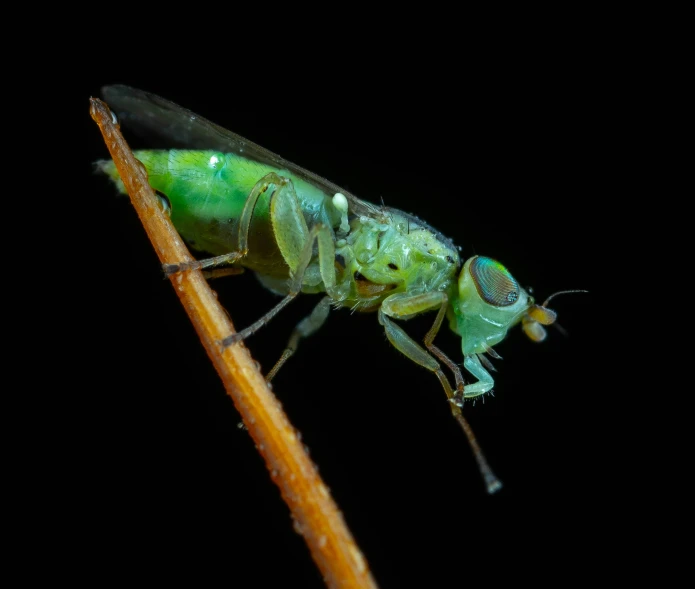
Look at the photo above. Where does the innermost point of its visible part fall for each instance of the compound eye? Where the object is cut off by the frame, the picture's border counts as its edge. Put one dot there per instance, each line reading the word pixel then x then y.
pixel 495 284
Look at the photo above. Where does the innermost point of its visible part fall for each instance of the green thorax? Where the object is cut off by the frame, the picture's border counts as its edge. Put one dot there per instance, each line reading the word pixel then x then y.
pixel 393 252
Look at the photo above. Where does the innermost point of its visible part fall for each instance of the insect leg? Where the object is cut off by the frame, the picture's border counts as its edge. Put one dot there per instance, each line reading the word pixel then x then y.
pixel 321 234
pixel 221 272
pixel 485 380
pixel 429 338
pixel 306 327
pixel 244 222
pixel 471 363
pixel 408 346
pixel 405 305
pixel 296 244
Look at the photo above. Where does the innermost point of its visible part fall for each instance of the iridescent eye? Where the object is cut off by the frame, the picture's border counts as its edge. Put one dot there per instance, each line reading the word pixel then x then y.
pixel 495 284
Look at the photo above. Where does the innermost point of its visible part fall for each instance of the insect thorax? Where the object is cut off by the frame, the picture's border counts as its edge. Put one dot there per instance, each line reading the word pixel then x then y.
pixel 393 253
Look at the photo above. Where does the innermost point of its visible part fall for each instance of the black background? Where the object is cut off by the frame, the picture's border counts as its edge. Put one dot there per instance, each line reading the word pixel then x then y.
pixel 515 162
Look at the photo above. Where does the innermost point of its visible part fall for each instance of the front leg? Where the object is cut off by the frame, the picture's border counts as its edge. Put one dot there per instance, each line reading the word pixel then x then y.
pixel 485 380
pixel 403 305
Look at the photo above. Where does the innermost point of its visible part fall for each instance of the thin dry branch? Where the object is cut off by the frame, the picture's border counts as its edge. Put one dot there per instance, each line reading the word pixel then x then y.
pixel 316 515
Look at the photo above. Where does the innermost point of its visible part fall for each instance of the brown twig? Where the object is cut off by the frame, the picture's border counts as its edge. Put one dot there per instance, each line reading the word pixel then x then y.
pixel 316 515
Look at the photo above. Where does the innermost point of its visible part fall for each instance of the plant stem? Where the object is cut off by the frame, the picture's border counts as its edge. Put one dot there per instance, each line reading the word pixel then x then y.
pixel 315 513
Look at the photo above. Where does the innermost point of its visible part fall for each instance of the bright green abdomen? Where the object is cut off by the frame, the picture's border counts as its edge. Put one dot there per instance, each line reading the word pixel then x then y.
pixel 207 191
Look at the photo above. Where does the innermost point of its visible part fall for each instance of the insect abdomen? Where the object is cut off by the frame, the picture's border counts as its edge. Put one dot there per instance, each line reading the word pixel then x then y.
pixel 207 191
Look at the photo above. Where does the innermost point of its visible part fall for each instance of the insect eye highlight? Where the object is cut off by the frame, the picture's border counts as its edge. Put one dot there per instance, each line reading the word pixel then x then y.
pixel 494 283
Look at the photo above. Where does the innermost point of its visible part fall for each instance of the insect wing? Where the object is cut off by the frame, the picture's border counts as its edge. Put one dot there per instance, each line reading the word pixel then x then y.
pixel 172 126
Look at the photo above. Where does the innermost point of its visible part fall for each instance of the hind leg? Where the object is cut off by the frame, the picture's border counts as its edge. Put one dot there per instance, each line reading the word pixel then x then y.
pixel 296 244
pixel 242 250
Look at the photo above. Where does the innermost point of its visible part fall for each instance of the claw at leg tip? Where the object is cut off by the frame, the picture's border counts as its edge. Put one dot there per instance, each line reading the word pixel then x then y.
pixel 230 340
pixel 170 269
pixel 457 400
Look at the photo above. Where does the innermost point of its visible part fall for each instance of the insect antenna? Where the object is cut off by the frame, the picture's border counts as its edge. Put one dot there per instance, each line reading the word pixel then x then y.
pixel 539 315
pixel 545 304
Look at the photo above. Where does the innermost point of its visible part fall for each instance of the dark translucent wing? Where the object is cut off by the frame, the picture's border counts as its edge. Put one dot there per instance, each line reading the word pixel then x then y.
pixel 171 126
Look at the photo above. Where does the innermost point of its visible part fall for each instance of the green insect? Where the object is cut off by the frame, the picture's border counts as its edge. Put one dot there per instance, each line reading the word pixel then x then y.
pixel 300 233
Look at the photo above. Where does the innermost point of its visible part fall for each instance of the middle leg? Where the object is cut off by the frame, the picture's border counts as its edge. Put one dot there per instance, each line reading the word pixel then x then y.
pixel 306 327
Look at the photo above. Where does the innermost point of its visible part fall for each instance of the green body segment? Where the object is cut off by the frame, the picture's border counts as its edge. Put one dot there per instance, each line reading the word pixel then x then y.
pixel 385 260
pixel 207 191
